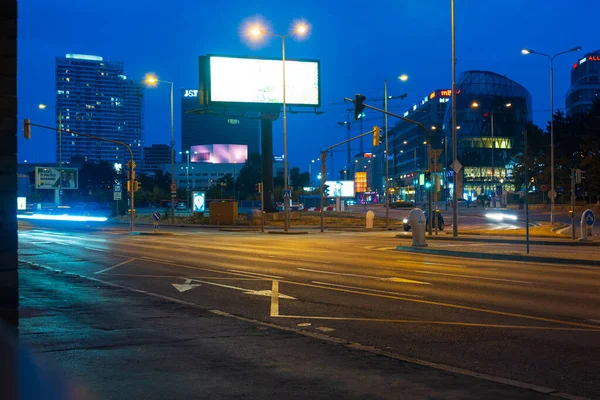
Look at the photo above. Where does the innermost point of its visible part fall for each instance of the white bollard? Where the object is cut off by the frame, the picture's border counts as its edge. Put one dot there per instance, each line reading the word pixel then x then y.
pixel 416 219
pixel 370 218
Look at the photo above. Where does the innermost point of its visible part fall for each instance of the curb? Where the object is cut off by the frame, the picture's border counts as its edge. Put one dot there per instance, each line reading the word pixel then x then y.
pixel 152 233
pixel 491 239
pixel 288 232
pixel 496 256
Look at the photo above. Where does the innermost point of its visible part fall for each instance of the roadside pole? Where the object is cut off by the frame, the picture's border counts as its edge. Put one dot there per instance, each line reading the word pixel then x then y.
pixel 573 178
pixel 262 207
pixel 324 167
pixel 526 191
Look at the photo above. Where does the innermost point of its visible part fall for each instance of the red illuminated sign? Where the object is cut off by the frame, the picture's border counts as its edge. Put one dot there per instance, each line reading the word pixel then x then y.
pixel 594 58
pixel 446 93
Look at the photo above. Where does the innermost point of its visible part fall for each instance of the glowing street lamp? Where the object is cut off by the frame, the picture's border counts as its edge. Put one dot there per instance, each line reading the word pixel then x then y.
pixel 153 81
pixel 551 58
pixel 301 29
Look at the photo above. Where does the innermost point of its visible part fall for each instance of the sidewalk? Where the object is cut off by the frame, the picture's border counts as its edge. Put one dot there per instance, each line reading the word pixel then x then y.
pixel 120 344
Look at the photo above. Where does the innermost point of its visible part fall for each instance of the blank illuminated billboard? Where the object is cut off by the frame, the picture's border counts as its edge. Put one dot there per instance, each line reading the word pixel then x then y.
pixel 260 81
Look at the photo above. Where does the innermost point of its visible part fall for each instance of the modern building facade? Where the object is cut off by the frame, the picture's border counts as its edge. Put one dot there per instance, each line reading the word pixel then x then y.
pixel 154 157
pixel 95 97
pixel 407 145
pixel 491 114
pixel 206 129
pixel 585 84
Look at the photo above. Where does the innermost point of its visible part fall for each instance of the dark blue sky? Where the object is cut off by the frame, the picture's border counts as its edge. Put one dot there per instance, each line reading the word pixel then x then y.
pixel 359 44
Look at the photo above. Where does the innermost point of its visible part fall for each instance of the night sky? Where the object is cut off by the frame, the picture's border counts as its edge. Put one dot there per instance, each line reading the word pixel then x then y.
pixel 359 43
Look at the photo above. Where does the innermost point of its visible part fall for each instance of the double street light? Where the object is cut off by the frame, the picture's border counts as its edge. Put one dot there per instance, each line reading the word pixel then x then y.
pixel 300 29
pixel 187 175
pixel 551 58
pixel 153 81
pixel 41 106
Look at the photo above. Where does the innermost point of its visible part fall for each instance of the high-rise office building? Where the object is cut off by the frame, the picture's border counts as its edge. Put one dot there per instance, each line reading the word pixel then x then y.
pixel 95 97
pixel 206 129
pixel 585 84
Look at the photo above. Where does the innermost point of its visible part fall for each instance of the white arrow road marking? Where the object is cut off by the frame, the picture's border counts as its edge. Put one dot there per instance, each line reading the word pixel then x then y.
pixel 267 293
pixel 391 279
pixel 188 285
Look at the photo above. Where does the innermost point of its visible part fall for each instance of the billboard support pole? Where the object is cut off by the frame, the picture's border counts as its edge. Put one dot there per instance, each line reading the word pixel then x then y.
pixel 131 165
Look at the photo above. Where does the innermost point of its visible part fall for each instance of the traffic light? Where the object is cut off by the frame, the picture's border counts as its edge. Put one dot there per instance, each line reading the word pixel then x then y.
pixel 129 186
pixel 376 136
pixel 27 128
pixel 438 183
pixel 359 106
pixel 427 180
pixel 579 175
pixel 258 187
pixel 325 190
pixel 136 186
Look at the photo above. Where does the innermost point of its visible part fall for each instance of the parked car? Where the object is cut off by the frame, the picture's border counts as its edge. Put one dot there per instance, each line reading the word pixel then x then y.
pixel 440 221
pixel 181 206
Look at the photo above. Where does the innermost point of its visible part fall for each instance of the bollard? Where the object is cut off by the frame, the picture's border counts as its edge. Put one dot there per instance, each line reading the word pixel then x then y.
pixel 416 219
pixel 370 218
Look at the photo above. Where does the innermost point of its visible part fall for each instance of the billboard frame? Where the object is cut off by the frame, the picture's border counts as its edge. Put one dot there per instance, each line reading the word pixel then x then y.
pixel 205 86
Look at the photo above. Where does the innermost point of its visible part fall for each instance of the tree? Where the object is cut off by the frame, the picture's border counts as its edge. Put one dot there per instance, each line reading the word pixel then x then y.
pixel 249 175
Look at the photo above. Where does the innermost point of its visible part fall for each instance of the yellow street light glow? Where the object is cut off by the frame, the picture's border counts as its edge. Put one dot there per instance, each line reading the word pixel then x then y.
pixel 425 142
pixel 508 104
pixel 403 77
pixel 405 142
pixel 433 128
pixel 525 51
pixel 301 29
pixel 255 31
pixel 151 79
pixel 42 106
pixel 475 104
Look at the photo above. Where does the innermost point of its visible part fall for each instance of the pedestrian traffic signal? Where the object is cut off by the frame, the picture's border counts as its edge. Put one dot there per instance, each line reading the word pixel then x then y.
pixel 579 175
pixel 136 186
pixel 258 187
pixel 325 190
pixel 27 128
pixel 376 136
pixel 359 106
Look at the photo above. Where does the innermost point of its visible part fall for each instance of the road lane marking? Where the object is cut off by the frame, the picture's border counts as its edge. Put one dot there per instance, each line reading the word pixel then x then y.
pixel 92 248
pixel 275 299
pixel 255 273
pixel 445 265
pixel 450 305
pixel 468 276
pixel 184 287
pixel 115 266
pixel 325 329
pixel 391 279
pixel 469 324
pixel 370 290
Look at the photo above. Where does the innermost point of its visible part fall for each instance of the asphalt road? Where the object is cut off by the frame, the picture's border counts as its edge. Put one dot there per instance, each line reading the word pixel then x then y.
pixel 534 323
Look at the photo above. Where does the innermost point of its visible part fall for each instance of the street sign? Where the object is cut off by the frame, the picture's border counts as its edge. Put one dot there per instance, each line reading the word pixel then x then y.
pixel 173 187
pixel 173 194
pixel 589 217
pixel 117 196
pixel 435 155
pixel 552 194
pixel 117 188
pixel 544 188
pixel 156 216
pixel 456 166
pixel 287 194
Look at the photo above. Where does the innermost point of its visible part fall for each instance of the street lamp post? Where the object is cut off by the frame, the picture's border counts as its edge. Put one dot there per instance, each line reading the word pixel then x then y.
pixel 403 78
pixel 551 58
pixel 300 29
pixel 153 81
